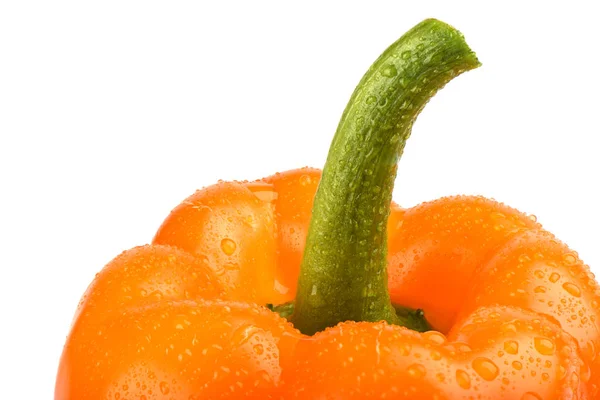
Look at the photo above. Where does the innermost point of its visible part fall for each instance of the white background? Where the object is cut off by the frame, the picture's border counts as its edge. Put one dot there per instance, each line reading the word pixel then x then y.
pixel 112 112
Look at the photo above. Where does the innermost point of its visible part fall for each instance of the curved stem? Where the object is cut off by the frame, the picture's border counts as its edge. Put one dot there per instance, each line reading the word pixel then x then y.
pixel 343 274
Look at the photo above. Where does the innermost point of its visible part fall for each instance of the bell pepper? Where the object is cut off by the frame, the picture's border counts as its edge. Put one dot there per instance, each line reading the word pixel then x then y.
pixel 313 284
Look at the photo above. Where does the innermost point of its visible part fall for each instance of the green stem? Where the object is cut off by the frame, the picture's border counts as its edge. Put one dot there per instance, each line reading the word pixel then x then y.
pixel 343 275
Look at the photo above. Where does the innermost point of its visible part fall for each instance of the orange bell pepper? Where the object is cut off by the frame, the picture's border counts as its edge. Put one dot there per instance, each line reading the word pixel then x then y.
pixel 314 285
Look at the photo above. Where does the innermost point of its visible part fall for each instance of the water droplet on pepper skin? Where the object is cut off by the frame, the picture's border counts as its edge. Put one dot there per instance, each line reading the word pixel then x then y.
pixel 572 289
pixel 228 246
pixel 435 337
pixel 129 354
pixel 485 368
pixel 539 274
pixel 258 349
pixel 144 275
pixel 436 355
pixel 517 365
pixel 463 379
pixel 241 212
pixel 531 396
pixel 569 259
pixel 164 387
pixel 511 347
pixel 461 225
pixel 544 346
pixel 416 371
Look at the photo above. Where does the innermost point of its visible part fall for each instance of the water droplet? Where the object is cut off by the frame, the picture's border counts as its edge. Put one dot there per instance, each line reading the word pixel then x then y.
pixel 572 289
pixel 539 289
pixel 164 387
pixel 523 258
pixel 485 368
pixel 544 346
pixel 404 349
pixel 435 337
pixel 406 54
pixel 306 179
pixel 402 82
pixel 462 347
pixel 517 365
pixel 416 371
pixel 228 246
pixel 389 71
pixel 258 349
pixel 569 259
pixel 554 277
pixel 371 100
pixel 511 347
pixel 231 267
pixel 262 194
pixel 509 327
pixel 463 379
pixel 531 396
pixel 539 274
pixel 545 376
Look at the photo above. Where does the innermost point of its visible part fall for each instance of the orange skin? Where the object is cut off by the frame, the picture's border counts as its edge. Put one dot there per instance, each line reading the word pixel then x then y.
pixel 497 353
pixel 516 310
pixel 147 328
pixel 144 275
pixel 178 350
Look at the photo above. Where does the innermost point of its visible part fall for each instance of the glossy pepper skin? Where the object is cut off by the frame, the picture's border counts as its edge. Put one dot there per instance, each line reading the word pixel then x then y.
pixel 151 325
pixel 513 311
